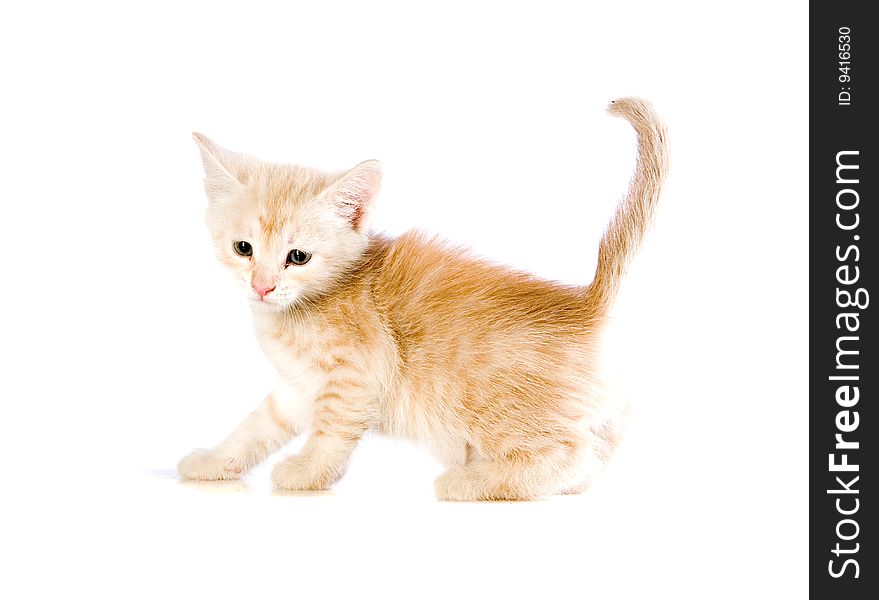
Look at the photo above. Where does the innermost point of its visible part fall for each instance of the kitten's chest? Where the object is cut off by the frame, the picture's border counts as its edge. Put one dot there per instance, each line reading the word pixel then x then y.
pixel 290 363
pixel 292 351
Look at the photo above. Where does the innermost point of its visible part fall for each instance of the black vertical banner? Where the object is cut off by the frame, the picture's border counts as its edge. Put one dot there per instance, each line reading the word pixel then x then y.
pixel 843 337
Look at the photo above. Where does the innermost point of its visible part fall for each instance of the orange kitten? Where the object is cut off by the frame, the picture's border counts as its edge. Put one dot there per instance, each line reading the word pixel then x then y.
pixel 493 369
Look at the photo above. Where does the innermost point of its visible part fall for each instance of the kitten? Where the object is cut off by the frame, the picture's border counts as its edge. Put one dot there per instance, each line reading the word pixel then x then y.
pixel 493 369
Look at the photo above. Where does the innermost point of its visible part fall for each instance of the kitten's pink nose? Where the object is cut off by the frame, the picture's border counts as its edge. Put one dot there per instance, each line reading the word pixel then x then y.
pixel 262 290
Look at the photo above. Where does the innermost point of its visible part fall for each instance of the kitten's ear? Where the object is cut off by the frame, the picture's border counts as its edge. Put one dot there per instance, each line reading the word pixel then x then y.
pixel 354 192
pixel 219 166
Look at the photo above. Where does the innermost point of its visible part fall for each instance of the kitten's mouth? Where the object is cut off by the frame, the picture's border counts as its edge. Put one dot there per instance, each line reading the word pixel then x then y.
pixel 268 303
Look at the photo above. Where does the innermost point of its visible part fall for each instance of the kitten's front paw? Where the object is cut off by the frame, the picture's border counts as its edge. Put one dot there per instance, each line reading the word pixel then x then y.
pixel 293 473
pixel 207 465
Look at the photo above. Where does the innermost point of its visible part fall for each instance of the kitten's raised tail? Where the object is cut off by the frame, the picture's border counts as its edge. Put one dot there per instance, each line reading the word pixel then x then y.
pixel 635 213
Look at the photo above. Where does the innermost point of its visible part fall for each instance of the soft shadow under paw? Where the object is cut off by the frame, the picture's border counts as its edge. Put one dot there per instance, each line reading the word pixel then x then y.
pixel 235 486
pixel 303 493
pixel 163 473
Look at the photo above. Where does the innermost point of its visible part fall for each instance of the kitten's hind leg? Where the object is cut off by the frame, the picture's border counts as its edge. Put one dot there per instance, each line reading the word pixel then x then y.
pixel 264 431
pixel 522 476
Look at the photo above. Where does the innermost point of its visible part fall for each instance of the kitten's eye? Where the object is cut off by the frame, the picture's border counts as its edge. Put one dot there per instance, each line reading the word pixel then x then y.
pixel 243 248
pixel 298 257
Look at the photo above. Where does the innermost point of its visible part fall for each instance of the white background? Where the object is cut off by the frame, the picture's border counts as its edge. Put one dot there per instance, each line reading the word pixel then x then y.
pixel 125 344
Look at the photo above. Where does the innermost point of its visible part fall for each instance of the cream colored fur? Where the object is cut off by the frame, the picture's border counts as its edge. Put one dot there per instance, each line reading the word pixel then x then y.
pixel 493 369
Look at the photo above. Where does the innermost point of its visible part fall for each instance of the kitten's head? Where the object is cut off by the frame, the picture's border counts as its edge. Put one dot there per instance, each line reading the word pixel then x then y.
pixel 285 232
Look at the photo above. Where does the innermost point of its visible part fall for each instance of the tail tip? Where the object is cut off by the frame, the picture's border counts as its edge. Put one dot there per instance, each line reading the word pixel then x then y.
pixel 629 106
